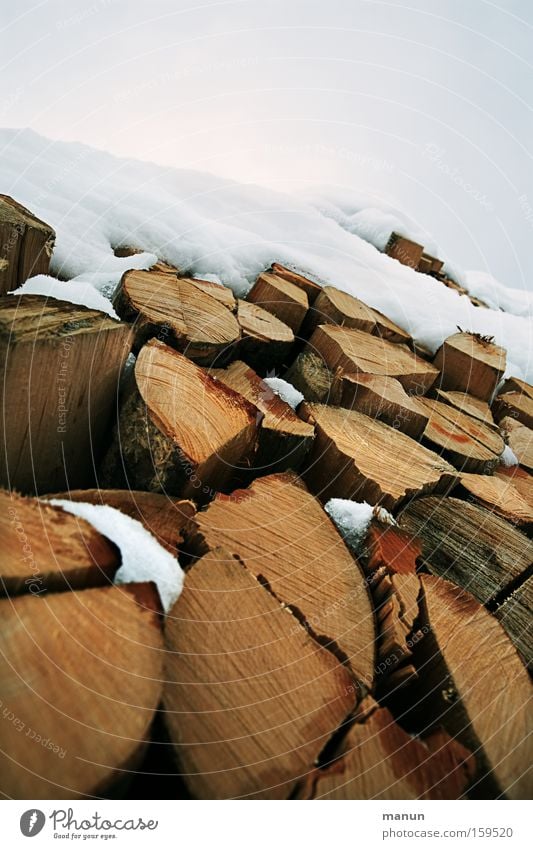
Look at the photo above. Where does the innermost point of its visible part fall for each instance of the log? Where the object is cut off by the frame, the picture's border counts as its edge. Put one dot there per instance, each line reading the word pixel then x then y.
pixel 266 342
pixel 283 438
pixel 474 407
pixel 310 287
pixel 472 682
pixel 468 545
pixel 333 306
pixel 357 352
pixel 470 363
pixel 250 698
pixel 379 760
pixel 280 297
pixel 61 367
pixel 381 398
pixel 520 439
pixel 26 244
pixel 515 616
pixel 466 442
pixel 77 701
pixel 499 495
pixel 289 542
pixel 179 311
pixel 520 479
pixel 356 457
pixel 391 549
pixel 166 518
pixel 514 384
pixel 516 405
pixel 389 330
pixel 310 375
pixel 180 431
pixel 404 250
pixel 396 601
pixel 45 549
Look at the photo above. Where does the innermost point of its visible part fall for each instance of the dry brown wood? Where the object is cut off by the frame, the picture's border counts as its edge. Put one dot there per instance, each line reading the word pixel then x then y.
pixel 333 306
pixel 356 351
pixel 250 698
pixel 381 398
pixel 468 443
pixel 283 438
pixel 166 518
pixel 396 600
pixel 310 287
pixel 43 549
pixel 391 549
pixel 515 616
pixel 514 384
pixel 266 342
pixel 280 297
pixel 468 404
pixel 26 244
pixel 520 439
pixel 178 311
pixel 520 479
pixel 180 431
pixel 470 363
pixel 379 760
pixel 468 545
pixel 216 290
pixel 404 250
pixel 472 681
pixel 389 330
pixel 516 405
pixel 499 495
pixel 81 679
pixel 356 457
pixel 61 365
pixel 288 540
pixel 311 376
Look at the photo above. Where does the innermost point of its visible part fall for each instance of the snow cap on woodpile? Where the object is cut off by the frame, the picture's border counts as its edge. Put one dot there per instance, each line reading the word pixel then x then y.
pixel 352 519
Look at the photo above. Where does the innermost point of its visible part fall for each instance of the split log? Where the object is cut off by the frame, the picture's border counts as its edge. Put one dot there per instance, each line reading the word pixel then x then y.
pixel 379 760
pixel 26 244
pixel 266 342
pixel 520 439
pixel 520 479
pixel 381 398
pixel 355 351
pixel 78 702
pixel 46 549
pixel 468 404
pixel 389 330
pixel 404 250
pixel 310 375
pixel 391 549
pixel 220 293
pixel 468 545
pixel 396 602
pixel 333 306
pixel 310 287
pixel 250 698
pixel 166 518
pixel 514 384
pixel 472 682
pixel 515 616
pixel 283 438
pixel 180 431
pixel 280 297
pixel 470 363
pixel 178 311
pixel 499 495
pixel 468 443
pixel 61 369
pixel 516 405
pixel 289 542
pixel 356 457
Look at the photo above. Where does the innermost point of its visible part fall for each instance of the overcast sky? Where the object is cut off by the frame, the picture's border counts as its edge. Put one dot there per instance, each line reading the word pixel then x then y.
pixel 425 103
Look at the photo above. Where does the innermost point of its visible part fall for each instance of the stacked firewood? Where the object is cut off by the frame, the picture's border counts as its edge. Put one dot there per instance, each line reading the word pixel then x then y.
pixel 291 665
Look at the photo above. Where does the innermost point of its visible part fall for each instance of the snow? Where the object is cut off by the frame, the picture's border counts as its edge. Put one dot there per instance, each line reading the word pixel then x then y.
pixel 143 558
pixel 285 390
pixel 219 229
pixel 74 291
pixel 508 457
pixel 352 519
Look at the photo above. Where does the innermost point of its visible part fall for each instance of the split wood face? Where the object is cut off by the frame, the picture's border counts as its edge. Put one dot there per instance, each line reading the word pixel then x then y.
pixel 250 697
pixel 311 289
pixel 82 676
pixel 356 457
pixel 62 369
pixel 470 363
pixel 520 439
pixel 279 296
pixel 381 398
pixel 469 404
pixel 501 496
pixel 516 405
pixel 27 244
pixel 266 342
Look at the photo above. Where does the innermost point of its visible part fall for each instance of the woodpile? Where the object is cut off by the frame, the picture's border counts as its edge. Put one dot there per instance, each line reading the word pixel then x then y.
pixel 299 661
pixel 26 244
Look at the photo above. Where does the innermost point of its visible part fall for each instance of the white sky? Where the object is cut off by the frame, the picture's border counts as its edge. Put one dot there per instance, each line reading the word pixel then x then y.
pixel 426 103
